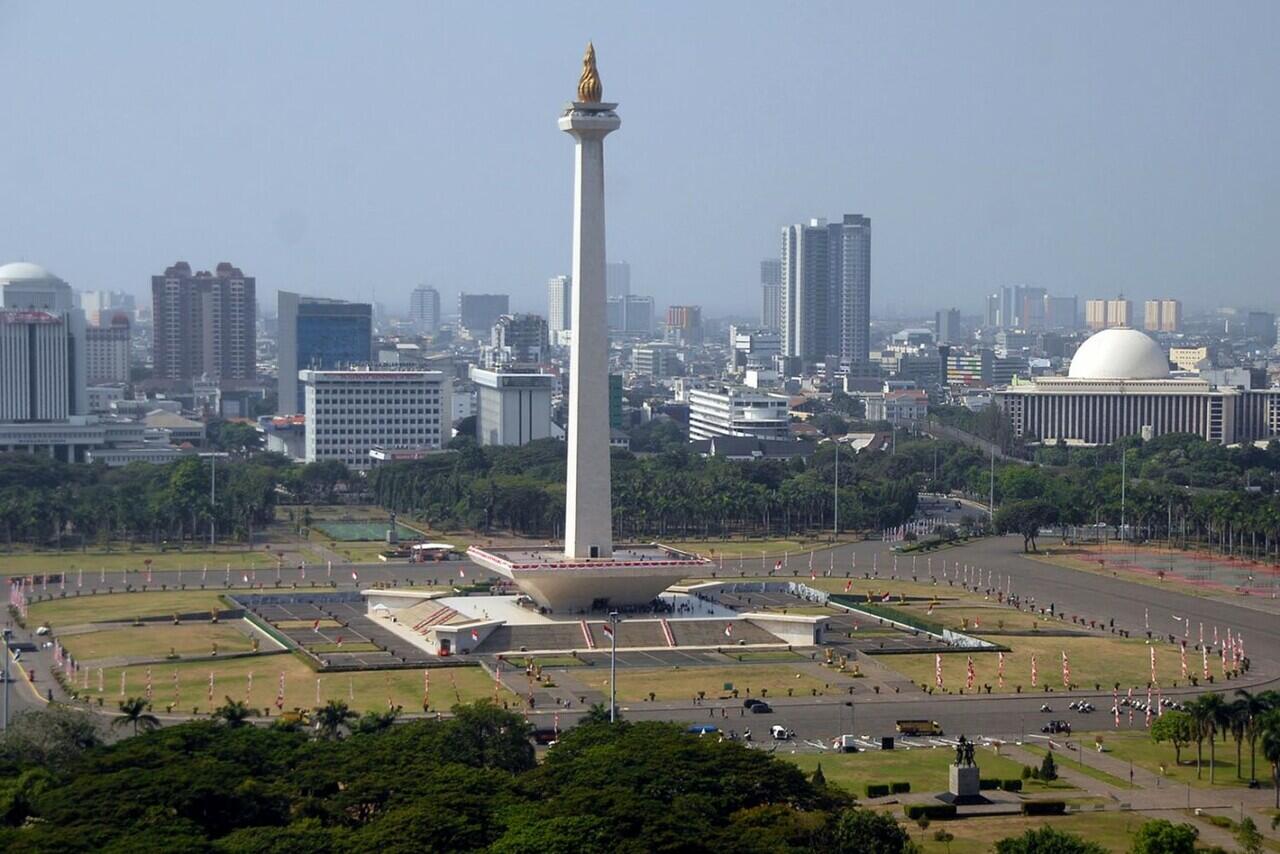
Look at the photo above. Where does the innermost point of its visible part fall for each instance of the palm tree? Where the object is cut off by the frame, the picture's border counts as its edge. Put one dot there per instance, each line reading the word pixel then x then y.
pixel 332 717
pixel 134 711
pixel 1253 706
pixel 1269 736
pixel 1210 712
pixel 233 713
pixel 1238 725
pixel 371 722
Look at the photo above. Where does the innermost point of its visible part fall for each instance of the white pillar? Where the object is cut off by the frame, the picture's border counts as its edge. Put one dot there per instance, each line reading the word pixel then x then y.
pixel 588 526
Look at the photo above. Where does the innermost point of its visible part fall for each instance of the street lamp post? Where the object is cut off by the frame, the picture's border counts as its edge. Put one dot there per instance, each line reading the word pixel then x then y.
pixel 7 633
pixel 614 619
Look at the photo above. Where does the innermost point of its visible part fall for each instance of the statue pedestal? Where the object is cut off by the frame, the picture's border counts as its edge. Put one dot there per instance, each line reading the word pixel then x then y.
pixel 963 786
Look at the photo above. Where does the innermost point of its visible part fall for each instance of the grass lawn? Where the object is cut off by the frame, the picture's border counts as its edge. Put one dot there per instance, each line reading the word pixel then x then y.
pixel 558 661
pixel 635 683
pixel 924 768
pixel 1111 830
pixel 1103 660
pixel 1138 748
pixel 362 690
pixel 107 607
pixel 95 560
pixel 155 640
pixel 1067 760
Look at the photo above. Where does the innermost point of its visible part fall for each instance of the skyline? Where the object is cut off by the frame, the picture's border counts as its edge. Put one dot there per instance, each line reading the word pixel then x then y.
pixel 340 152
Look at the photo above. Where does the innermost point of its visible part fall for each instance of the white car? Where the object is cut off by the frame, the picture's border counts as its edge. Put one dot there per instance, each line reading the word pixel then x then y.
pixel 781 733
pixel 42 630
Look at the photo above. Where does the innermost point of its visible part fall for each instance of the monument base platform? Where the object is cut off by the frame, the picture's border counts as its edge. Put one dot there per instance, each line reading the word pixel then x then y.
pixel 964 787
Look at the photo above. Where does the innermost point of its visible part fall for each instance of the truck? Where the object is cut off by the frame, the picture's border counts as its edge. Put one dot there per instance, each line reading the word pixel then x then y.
pixel 845 743
pixel 919 728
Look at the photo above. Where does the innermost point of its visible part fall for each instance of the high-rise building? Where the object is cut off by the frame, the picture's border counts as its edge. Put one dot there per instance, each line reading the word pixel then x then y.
pixel 733 411
pixel 1162 315
pixel 991 311
pixel 36 355
pixel 684 324
pixel 351 412
pixel 1262 326
pixel 518 339
pixel 1061 313
pixel 617 279
pixel 478 312
pixel 424 309
pixel 826 289
pixel 656 359
pixel 1108 313
pixel 559 303
pixel 106 348
pixel 771 293
pixel 632 314
pixel 1032 308
pixel 29 287
pixel 318 334
pixel 947 324
pixel 513 407
pixel 204 324
pixel 100 306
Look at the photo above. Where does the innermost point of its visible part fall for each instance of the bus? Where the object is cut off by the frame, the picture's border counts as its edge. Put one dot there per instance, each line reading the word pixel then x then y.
pixel 919 728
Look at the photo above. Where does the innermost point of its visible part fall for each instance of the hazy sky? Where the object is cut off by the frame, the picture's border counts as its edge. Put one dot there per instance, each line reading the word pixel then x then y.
pixel 358 149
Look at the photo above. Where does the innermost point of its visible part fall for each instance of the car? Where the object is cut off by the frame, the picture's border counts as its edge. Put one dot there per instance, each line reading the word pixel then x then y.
pixel 781 733
pixel 761 708
pixel 751 701
pixel 702 729
pixel 42 630
pixel 1054 727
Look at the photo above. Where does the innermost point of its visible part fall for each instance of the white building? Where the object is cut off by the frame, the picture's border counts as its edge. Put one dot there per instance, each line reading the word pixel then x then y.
pixel 900 406
pixel 424 308
pixel 106 351
pixel 559 304
pixel 657 359
pixel 512 408
pixel 351 411
pixel 738 412
pixel 1119 385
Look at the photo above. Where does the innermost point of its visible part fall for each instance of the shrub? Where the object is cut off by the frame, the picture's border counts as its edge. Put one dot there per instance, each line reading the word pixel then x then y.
pixel 1048 768
pixel 899 788
pixel 1026 772
pixel 877 790
pixel 1011 785
pixel 1044 808
pixel 988 783
pixel 930 811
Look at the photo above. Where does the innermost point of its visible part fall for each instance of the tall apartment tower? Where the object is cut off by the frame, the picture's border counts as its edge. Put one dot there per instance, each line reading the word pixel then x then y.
pixel 617 277
pixel 826 289
pixel 947 324
pixel 1162 315
pixel 559 303
pixel 771 294
pixel 204 323
pixel 424 309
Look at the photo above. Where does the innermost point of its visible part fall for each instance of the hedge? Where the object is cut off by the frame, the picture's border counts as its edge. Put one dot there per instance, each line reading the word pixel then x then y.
pixel 899 788
pixel 1044 808
pixel 988 783
pixel 1012 785
pixel 930 811
pixel 877 790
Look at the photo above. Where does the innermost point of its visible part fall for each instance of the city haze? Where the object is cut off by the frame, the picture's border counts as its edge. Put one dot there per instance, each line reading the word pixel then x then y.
pixel 355 153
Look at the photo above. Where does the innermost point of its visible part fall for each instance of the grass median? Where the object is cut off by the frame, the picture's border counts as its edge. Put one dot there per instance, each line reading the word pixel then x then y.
pixel 156 640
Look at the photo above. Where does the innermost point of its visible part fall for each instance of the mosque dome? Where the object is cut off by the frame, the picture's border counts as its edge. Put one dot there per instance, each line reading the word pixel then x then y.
pixel 1119 354
pixel 24 271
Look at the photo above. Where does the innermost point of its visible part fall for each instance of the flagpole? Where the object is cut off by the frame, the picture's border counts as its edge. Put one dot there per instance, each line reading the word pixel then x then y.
pixel 613 667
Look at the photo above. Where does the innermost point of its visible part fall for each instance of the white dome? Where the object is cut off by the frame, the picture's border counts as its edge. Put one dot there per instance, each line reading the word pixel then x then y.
pixel 24 271
pixel 1119 354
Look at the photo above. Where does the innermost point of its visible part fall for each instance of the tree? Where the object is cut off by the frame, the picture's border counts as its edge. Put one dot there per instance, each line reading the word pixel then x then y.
pixel 374 722
pixel 331 718
pixel 1046 840
pixel 233 713
pixel 598 713
pixel 133 711
pixel 1208 714
pixel 862 831
pixel 1164 837
pixel 818 779
pixel 1269 739
pixel 1175 727
pixel 50 738
pixel 946 837
pixel 1048 768
pixel 1253 706
pixel 1026 518
pixel 1248 837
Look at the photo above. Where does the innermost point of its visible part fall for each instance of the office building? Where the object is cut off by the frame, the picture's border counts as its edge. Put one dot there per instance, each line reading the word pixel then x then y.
pixel 630 315
pixel 36 355
pixel 617 279
pixel 771 293
pixel 518 339
pixel 513 407
pixel 106 349
pixel 1190 358
pixel 31 288
pixel 656 359
pixel 1061 313
pixel 424 309
pixel 1261 326
pixel 753 348
pixel 738 411
pixel 826 289
pixel 204 324
pixel 1162 315
pixel 898 406
pixel 947 326
pixel 318 334
pixel 1119 385
pixel 1031 307
pixel 478 312
pixel 559 303
pixel 100 306
pixel 684 325
pixel 349 412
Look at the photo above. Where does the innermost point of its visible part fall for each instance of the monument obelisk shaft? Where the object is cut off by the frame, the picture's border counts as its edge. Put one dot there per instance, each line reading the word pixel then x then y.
pixel 588 527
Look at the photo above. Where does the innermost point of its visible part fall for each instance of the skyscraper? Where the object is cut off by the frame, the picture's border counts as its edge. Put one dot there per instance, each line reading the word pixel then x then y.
pixel 618 279
pixel 318 334
pixel 518 339
pixel 1162 315
pixel 424 309
pixel 771 294
pixel 204 323
pixel 30 288
pixel 826 289
pixel 948 326
pixel 478 312
pixel 559 303
pixel 684 324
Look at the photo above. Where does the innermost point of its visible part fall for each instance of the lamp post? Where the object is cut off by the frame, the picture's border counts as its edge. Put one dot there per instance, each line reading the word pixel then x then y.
pixel 614 619
pixel 7 633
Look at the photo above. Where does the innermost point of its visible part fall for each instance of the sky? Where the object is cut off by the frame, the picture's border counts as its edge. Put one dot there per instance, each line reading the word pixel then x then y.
pixel 357 150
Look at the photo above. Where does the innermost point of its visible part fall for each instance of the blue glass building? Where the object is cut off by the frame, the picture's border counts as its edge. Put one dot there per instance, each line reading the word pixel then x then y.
pixel 318 334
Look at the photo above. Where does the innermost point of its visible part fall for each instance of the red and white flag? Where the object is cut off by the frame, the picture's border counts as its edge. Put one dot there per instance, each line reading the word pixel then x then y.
pixel 1204 661
pixel 886 597
pixel 1148 723
pixel 462 573
pixel 728 630
pixel 1115 704
pixel 1184 659
pixel 1153 664
pixel 607 629
pixel 1130 705
pixel 210 686
pixel 1035 674
pixel 777 566
pixel 848 585
pixel 969 676
pixel 280 692
pixel 1066 671
pixel 1000 671
pixel 937 669
pixel 475 636
pixel 245 576
pixel 338 640
pixel 813 575
pixel 355 576
pixel 315 627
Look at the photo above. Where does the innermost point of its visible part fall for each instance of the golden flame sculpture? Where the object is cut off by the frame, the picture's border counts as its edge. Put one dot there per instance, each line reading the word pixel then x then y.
pixel 590 89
